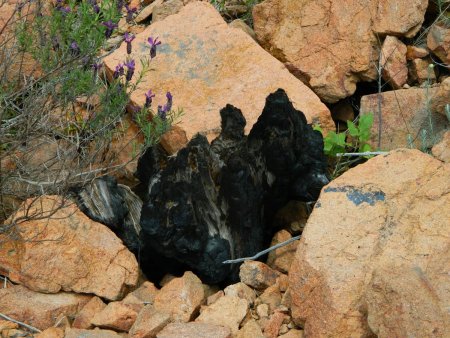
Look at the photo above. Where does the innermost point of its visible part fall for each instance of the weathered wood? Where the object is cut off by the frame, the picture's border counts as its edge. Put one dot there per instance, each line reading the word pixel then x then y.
pixel 114 205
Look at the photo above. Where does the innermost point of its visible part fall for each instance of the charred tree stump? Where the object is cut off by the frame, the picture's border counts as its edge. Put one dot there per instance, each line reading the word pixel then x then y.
pixel 215 202
pixel 114 205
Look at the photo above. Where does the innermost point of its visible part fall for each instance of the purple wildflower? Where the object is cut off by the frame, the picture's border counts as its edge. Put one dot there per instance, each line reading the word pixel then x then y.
pixel 119 71
pixel 74 48
pixel 149 98
pixel 128 38
pixel 153 44
pixel 97 66
pixel 64 10
pixel 161 113
pixel 120 5
pixel 130 12
pixel 109 28
pixel 168 105
pixel 94 5
pixel 131 67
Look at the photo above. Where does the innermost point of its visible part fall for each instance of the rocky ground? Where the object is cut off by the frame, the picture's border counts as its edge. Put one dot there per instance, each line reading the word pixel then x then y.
pixel 373 259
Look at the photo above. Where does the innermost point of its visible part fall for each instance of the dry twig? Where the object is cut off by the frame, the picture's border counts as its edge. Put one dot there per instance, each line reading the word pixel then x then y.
pixel 29 327
pixel 261 253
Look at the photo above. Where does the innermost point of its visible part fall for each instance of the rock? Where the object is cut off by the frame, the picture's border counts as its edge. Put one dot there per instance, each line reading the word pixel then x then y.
pixel 116 316
pixel 194 330
pixel 147 11
pixel 282 282
pixel 271 296
pixel 122 151
pixel 201 54
pixel 257 275
pixel 240 24
pixel 404 18
pixel 442 150
pixel 332 45
pixel 38 309
pixel 39 160
pixel 250 329
pixel 51 332
pixel 263 310
pixel 423 72
pixel 441 97
pixel 149 322
pixel 242 291
pixel 377 267
pixel 394 288
pixel 404 115
pixel 63 322
pixel 14 333
pixel 273 325
pixel 280 259
pixel 438 41
pixel 293 334
pixel 283 329
pixel 83 320
pixel 145 293
pixel 181 297
pixel 97 333
pixel 234 8
pixel 65 250
pixel 228 311
pixel 293 216
pixel 415 52
pixel 393 61
pixel 213 298
pixel 17 65
pixel 166 8
pixel 286 300
pixel 206 202
pixel 7 325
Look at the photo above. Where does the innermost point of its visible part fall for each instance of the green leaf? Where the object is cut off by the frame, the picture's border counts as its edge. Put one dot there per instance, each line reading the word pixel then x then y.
pixel 365 122
pixel 317 128
pixel 365 148
pixel 341 140
pixel 352 129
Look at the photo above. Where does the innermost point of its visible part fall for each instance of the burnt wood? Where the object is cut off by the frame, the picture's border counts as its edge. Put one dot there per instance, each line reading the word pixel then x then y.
pixel 210 203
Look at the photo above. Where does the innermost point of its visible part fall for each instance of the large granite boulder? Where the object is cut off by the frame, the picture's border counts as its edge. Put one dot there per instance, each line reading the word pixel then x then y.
pixel 206 64
pixel 54 247
pixel 38 309
pixel 405 118
pixel 374 257
pixel 332 45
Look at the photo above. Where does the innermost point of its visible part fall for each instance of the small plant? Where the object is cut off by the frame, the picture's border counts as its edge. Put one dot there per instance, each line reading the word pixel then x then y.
pixel 152 124
pixel 66 40
pixel 352 143
pixel 355 139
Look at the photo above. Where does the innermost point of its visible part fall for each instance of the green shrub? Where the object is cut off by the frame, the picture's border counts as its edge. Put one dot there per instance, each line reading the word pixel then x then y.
pixel 66 41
